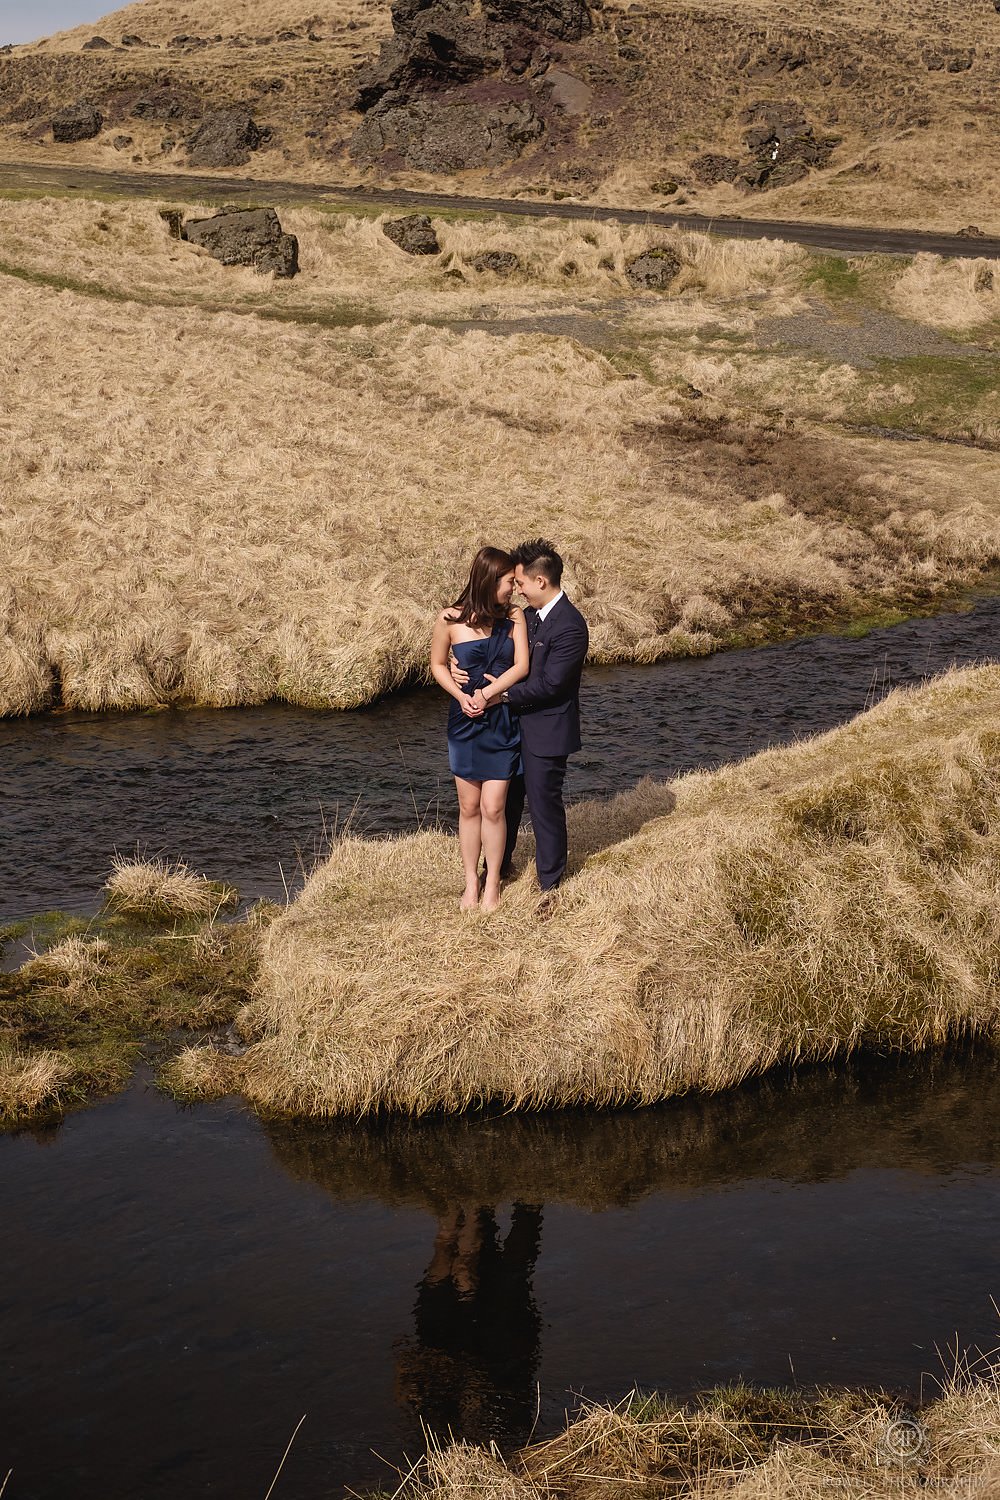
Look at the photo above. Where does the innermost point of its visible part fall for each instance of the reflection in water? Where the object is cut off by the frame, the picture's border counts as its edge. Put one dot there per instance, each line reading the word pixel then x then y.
pixel 227 1275
pixel 471 1366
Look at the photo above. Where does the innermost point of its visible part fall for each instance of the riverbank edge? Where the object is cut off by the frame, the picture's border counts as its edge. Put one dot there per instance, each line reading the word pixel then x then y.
pixel 958 596
pixel 744 1443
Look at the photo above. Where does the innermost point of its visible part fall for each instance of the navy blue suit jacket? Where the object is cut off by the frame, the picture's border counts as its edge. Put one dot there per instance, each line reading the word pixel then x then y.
pixel 547 702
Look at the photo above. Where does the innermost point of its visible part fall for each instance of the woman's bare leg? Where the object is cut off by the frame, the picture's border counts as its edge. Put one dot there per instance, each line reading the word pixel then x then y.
pixel 470 838
pixel 492 806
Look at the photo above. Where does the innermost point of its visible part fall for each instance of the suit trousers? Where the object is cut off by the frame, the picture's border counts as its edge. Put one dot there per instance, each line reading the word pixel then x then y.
pixel 544 776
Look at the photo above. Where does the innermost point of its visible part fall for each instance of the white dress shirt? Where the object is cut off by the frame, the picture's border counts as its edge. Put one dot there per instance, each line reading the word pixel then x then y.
pixel 548 608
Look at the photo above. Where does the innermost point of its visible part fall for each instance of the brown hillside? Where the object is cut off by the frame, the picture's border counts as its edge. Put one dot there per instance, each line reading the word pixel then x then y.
pixel 868 112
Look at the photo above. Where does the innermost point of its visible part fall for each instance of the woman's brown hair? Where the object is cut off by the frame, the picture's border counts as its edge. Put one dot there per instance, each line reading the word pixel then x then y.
pixel 477 603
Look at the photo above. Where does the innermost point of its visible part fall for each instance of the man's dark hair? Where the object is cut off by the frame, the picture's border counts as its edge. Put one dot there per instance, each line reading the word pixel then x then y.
pixel 540 556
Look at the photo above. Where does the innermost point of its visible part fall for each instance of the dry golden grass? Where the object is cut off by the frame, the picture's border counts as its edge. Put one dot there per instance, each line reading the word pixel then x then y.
pixel 744 1444
pixel 202 506
pixel 124 248
pixel 161 888
pixel 75 960
pixel 30 1081
pixel 159 20
pixel 813 900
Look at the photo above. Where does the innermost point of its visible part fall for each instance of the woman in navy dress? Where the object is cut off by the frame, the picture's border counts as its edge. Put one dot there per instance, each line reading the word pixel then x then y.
pixel 487 635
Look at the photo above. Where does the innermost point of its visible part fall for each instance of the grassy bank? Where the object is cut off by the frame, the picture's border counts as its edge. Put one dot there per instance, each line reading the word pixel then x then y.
pixel 747 1443
pixel 211 506
pixel 156 964
pixel 839 894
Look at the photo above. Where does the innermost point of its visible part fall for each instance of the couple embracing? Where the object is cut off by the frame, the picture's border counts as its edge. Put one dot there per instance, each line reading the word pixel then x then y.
pixel 514 679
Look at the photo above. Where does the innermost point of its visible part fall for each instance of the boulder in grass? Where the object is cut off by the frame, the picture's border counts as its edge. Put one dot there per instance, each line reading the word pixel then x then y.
pixel 500 262
pixel 654 270
pixel 225 138
pixel 414 234
pixel 246 237
pixel 96 44
pixel 78 122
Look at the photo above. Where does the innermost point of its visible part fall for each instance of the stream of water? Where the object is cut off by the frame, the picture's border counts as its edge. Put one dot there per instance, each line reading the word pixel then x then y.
pixel 243 795
pixel 177 1287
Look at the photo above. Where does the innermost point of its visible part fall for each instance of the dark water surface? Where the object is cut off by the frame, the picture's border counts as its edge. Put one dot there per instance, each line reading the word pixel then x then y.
pixel 178 1287
pixel 243 794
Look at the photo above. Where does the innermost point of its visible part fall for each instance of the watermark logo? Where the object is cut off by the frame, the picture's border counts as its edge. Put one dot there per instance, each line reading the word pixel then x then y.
pixel 904 1441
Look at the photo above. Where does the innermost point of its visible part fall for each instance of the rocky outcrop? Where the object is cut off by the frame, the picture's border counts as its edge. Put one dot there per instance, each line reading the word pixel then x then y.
pixel 79 122
pixel 160 104
pixel 446 135
pixel 499 262
pixel 782 147
pixel 246 237
pixel 414 234
pixel 96 44
pixel 418 96
pixel 440 42
pixel 566 20
pixel 225 138
pixel 654 270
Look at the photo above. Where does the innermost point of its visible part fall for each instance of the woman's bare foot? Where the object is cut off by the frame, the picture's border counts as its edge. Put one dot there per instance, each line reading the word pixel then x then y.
pixel 470 898
pixel 491 895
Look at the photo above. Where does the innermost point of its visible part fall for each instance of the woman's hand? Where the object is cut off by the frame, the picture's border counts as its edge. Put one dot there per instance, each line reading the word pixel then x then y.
pixel 471 706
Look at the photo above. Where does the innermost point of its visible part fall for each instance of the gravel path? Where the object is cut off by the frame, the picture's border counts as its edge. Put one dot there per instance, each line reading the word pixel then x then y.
pixel 869 336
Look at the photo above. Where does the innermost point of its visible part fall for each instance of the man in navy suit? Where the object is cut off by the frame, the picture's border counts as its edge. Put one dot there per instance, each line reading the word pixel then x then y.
pixel 547 703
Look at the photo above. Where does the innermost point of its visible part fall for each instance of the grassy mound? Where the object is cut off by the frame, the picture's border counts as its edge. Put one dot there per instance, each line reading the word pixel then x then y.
pixel 745 1444
pixel 839 894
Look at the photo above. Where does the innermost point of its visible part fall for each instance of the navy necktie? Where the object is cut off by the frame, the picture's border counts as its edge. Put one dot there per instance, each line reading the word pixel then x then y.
pixel 534 625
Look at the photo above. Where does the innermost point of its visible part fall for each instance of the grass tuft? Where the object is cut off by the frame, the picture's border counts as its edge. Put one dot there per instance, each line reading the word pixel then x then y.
pixel 156 888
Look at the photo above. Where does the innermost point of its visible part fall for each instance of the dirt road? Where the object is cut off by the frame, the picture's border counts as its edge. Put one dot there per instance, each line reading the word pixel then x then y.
pixel 188 187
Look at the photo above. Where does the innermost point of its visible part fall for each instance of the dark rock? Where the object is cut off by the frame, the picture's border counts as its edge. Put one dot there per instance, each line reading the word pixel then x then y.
pixel 174 220
pixel 665 187
pixel 439 137
pixel 567 20
pixel 414 234
pixel 287 36
pixel 441 45
pixel 122 142
pixel 225 138
pixel 500 262
pixel 96 44
pixel 971 232
pixel 961 62
pixel 131 40
pixel 933 62
pixel 246 237
pixel 158 106
pixel 79 122
pixel 655 270
pixel 710 169
pixel 784 174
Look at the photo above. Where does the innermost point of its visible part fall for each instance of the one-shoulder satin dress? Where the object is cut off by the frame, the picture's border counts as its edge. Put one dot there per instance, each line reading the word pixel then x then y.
pixel 487 748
